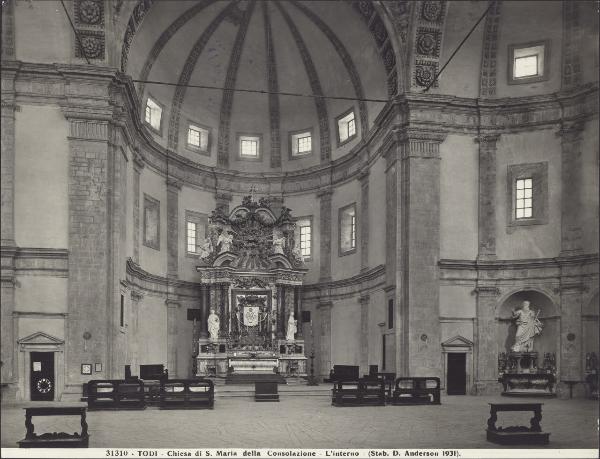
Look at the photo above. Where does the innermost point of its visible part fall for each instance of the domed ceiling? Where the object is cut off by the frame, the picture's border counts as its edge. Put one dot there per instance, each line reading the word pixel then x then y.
pixel 269 48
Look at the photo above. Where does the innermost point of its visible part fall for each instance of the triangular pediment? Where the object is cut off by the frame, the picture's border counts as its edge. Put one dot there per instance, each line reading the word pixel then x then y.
pixel 41 338
pixel 458 341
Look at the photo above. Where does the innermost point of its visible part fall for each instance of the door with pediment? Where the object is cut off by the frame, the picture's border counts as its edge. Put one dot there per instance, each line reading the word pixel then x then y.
pixel 41 380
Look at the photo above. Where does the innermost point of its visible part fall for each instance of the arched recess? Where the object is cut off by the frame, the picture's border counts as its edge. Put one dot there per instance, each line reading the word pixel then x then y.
pixel 548 313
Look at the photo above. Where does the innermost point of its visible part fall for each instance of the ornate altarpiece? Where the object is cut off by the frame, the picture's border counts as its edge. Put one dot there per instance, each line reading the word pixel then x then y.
pixel 251 276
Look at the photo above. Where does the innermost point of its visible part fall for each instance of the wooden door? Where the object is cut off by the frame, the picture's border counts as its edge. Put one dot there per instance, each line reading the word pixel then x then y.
pixel 42 382
pixel 457 373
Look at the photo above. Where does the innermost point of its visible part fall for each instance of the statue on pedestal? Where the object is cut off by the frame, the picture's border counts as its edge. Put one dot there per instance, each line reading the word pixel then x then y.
pixel 528 326
pixel 225 241
pixel 278 242
pixel 291 328
pixel 213 325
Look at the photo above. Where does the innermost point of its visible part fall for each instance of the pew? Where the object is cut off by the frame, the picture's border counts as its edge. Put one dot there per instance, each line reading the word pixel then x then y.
pixel 187 394
pixel 359 392
pixel 116 394
pixel 343 373
pixel 417 391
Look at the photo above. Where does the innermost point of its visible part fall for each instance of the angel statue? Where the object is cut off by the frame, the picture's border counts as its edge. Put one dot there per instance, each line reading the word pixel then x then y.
pixel 225 240
pixel 278 242
pixel 205 249
pixel 528 326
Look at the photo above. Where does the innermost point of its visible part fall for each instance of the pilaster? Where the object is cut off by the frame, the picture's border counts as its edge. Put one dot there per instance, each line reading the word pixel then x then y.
pixel 173 189
pixel 136 299
pixel 487 196
pixel 204 306
pixel 571 296
pixel 138 165
pixel 323 359
pixel 417 328
pixel 571 199
pixel 364 333
pixel 364 219
pixel 486 350
pixel 325 233
pixel 172 310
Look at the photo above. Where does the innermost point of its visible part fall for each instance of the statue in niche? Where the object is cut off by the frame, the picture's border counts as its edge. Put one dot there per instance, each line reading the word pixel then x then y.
pixel 213 325
pixel 291 328
pixel 225 241
pixel 528 326
pixel 278 242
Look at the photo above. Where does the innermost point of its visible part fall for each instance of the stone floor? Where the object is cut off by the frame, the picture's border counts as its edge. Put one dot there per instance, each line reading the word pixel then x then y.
pixel 311 422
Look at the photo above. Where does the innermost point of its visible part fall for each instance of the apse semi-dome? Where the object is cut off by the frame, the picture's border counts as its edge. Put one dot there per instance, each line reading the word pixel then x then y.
pixel 275 47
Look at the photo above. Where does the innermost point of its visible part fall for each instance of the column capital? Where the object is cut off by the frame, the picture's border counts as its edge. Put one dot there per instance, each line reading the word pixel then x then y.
pixel 570 129
pixel 223 196
pixel 487 139
pixel 364 299
pixel 138 161
pixel 172 304
pixel 363 177
pixel 325 193
pixel 325 305
pixel 174 184
pixel 417 135
pixel 136 296
pixel 486 290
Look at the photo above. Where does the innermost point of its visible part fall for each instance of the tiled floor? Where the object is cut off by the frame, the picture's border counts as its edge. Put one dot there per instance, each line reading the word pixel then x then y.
pixel 311 422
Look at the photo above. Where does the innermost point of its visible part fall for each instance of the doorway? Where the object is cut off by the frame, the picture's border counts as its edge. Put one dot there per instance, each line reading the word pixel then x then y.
pixel 457 373
pixel 42 381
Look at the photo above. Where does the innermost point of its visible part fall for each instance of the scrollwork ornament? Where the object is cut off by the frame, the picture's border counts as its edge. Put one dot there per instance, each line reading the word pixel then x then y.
pixel 424 73
pixel 428 43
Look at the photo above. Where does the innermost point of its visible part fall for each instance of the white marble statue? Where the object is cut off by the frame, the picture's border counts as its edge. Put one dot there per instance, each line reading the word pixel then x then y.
pixel 205 248
pixel 225 241
pixel 278 243
pixel 213 325
pixel 528 326
pixel 291 328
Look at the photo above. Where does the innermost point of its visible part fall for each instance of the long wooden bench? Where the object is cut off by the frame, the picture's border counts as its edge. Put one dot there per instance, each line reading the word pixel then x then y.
pixel 187 394
pixel 417 391
pixel 116 394
pixel 360 392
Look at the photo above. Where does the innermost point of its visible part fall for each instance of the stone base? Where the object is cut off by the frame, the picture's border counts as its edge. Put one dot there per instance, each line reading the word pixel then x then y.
pixel 528 384
pixel 489 387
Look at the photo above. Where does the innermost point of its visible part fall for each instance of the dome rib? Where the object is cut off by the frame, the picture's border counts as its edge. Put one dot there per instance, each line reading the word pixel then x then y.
pixel 274 111
pixel 228 93
pixel 186 73
pixel 346 59
pixel 164 38
pixel 315 85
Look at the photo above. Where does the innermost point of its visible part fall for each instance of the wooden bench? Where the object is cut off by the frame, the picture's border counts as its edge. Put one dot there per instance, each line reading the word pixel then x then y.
pixel 55 440
pixel 343 373
pixel 116 394
pixel 517 435
pixel 417 391
pixel 361 392
pixel 187 394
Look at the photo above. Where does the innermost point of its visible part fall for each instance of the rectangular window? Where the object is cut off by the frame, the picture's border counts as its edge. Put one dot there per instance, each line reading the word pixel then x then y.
pixel 346 125
pixel 153 114
pixel 390 313
pixel 197 138
pixel 195 232
pixel 122 311
pixel 304 236
pixel 300 143
pixel 347 229
pixel 528 62
pixel 524 198
pixel 249 147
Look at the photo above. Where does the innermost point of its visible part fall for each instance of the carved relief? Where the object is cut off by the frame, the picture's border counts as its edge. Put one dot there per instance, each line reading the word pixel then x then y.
pixel 572 33
pixel 490 49
pixel 89 12
pixel 92 42
pixel 428 42
pixel 425 72
pixel 432 11
pixel 135 21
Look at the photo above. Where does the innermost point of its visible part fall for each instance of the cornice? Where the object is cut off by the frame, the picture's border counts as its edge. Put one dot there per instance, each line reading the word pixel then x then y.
pixel 442 114
pixel 536 263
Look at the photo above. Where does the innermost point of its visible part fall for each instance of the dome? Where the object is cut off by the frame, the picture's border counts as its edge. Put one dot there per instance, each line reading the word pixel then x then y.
pixel 276 55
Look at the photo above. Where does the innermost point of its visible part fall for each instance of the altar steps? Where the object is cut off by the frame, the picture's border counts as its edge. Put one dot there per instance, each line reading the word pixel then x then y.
pixel 252 378
pixel 289 390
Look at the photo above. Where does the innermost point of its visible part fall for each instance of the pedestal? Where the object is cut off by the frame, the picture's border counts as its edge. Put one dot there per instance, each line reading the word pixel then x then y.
pixel 522 377
pixel 212 358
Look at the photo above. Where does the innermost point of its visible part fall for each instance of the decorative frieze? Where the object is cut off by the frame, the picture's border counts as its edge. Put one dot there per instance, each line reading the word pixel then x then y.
pixel 364 220
pixel 135 21
pixel 8 30
pixel 89 12
pixel 173 188
pixel 572 45
pixel 325 232
pixel 90 23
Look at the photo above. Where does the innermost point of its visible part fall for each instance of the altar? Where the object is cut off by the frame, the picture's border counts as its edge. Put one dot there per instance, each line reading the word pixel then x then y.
pixel 251 275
